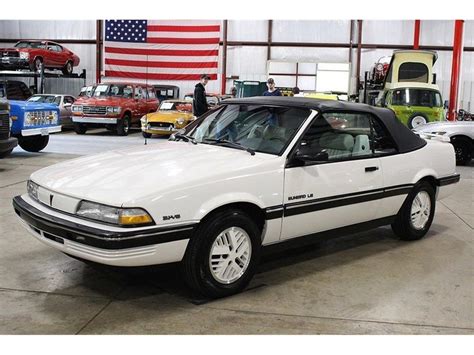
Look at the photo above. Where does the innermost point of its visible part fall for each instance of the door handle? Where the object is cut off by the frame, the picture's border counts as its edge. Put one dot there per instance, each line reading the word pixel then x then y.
pixel 371 168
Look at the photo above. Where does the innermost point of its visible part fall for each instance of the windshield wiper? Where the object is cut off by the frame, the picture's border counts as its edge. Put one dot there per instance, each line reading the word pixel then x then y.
pixel 184 137
pixel 229 143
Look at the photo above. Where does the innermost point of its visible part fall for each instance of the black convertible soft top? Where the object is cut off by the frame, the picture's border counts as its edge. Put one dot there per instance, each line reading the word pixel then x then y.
pixel 404 138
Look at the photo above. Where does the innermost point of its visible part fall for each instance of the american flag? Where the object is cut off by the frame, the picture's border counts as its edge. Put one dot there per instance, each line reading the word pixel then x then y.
pixel 161 49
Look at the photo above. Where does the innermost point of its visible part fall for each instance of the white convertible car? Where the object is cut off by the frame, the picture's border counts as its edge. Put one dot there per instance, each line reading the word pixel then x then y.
pixel 250 173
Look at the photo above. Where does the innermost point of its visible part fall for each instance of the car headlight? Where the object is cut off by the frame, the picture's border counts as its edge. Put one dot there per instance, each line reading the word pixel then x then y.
pixel 113 109
pixel 114 215
pixel 32 189
pixel 76 108
pixel 24 55
pixel 144 120
pixel 180 121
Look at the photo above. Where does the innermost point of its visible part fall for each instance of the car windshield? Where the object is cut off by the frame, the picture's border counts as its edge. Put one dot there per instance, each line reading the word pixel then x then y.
pixel 86 91
pixel 50 99
pixel 176 106
pixel 416 97
pixel 25 44
pixel 265 129
pixel 113 90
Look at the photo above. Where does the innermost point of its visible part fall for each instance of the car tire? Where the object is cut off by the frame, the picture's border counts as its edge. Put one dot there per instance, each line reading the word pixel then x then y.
pixel 463 147
pixel 201 263
pixel 417 119
pixel 33 143
pixel 146 135
pixel 123 126
pixel 36 65
pixel 80 128
pixel 68 68
pixel 416 214
pixel 5 154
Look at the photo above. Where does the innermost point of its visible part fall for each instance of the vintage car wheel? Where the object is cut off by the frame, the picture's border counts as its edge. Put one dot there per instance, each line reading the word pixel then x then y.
pixel 33 143
pixel 222 256
pixel 36 65
pixel 80 128
pixel 417 120
pixel 123 126
pixel 146 135
pixel 463 149
pixel 416 215
pixel 68 68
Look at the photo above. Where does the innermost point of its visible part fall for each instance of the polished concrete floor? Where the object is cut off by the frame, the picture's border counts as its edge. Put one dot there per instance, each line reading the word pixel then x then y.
pixel 368 283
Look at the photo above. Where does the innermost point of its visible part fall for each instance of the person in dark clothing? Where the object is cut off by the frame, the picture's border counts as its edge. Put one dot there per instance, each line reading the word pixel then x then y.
pixel 272 90
pixel 200 106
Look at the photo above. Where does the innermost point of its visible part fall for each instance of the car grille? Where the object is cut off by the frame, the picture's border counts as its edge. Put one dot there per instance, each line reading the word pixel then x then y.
pixel 10 54
pixel 94 110
pixel 4 126
pixel 161 125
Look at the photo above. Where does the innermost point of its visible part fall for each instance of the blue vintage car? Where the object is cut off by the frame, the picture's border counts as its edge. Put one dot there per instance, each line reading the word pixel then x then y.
pixel 32 123
pixel 7 143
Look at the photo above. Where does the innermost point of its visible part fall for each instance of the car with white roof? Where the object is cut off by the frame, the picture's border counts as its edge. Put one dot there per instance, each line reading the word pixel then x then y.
pixel 249 174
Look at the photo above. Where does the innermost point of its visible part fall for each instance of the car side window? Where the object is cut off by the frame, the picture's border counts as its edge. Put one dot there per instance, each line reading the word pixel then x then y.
pixel 382 142
pixel 68 100
pixel 342 135
pixel 138 92
pixel 151 93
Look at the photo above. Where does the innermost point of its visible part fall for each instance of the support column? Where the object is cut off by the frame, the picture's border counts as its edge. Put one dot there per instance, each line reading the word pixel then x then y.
pixel 359 52
pixel 269 40
pixel 456 68
pixel 416 36
pixel 224 57
pixel 98 44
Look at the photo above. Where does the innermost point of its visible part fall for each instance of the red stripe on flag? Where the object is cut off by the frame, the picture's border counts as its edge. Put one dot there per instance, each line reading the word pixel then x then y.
pixel 163 52
pixel 153 64
pixel 170 40
pixel 161 28
pixel 153 76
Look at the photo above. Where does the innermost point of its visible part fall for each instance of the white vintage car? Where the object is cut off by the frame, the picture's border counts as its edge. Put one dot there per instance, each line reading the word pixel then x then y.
pixel 250 173
pixel 459 133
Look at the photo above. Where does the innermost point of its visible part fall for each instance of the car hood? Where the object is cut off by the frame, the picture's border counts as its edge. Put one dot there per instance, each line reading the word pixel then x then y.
pixel 120 176
pixel 30 106
pixel 167 116
pixel 102 101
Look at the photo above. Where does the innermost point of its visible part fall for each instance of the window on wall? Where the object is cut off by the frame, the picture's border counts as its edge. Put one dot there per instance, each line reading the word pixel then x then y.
pixel 413 72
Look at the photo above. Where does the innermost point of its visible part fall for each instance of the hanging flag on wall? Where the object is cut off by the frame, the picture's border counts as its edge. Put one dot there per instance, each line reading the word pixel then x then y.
pixel 161 49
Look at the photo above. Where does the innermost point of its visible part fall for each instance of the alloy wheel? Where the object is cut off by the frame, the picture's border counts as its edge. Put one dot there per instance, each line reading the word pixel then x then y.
pixel 420 210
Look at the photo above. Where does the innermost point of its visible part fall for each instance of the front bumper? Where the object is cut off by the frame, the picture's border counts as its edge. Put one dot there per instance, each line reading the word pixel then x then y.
pixel 41 131
pixel 8 144
pixel 90 119
pixel 14 62
pixel 149 246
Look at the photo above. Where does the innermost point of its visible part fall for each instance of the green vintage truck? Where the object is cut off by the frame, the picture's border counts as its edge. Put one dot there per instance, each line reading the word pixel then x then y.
pixel 410 88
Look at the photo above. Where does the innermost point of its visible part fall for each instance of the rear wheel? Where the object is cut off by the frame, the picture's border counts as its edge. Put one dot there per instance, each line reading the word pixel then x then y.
pixel 223 254
pixel 123 126
pixel 68 68
pixel 80 128
pixel 33 143
pixel 416 215
pixel 463 149
pixel 417 120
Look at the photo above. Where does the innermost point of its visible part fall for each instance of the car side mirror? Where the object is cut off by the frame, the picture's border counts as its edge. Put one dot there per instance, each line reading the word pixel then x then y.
pixel 308 155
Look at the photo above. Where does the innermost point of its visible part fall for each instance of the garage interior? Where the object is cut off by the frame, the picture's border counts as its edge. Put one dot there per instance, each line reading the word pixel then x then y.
pixel 366 283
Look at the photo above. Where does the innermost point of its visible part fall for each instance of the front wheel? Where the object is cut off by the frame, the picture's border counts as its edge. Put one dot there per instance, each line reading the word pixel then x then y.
pixel 416 120
pixel 416 215
pixel 68 68
pixel 5 154
pixel 80 128
pixel 223 254
pixel 123 126
pixel 36 65
pixel 146 135
pixel 463 149
pixel 33 143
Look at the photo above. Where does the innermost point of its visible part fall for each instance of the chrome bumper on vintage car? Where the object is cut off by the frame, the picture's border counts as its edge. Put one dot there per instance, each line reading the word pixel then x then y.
pixel 150 246
pixel 89 119
pixel 14 62
pixel 41 131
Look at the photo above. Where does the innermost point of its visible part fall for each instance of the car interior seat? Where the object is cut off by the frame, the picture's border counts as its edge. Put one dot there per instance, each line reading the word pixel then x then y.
pixel 337 145
pixel 361 145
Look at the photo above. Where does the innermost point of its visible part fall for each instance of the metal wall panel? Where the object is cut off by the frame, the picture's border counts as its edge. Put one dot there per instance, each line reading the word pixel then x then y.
pixel 323 31
pixel 388 32
pixel 246 30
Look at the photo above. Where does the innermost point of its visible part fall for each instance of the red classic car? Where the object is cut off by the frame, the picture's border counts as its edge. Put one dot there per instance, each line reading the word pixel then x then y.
pixel 32 54
pixel 113 105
